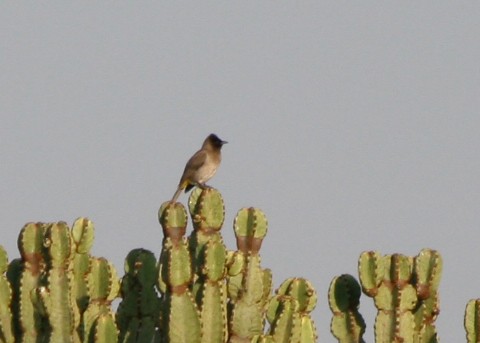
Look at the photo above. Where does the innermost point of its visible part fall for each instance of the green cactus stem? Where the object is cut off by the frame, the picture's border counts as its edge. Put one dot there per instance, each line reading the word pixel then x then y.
pixel 250 228
pixel 6 328
pixel 289 312
pixel 138 313
pixel 207 209
pixel 55 292
pixel 83 233
pixel 405 290
pixel 179 312
pixel 209 257
pixel 472 321
pixel 103 287
pixel 347 323
pixel 251 287
pixel 24 275
pixel 428 271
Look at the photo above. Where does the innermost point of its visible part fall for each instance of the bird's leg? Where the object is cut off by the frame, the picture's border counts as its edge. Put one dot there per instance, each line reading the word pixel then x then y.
pixel 204 186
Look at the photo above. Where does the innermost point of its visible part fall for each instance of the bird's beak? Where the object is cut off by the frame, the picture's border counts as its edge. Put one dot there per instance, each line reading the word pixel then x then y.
pixel 224 142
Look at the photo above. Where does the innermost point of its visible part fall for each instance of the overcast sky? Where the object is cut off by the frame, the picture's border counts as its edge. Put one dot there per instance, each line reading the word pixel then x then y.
pixel 353 125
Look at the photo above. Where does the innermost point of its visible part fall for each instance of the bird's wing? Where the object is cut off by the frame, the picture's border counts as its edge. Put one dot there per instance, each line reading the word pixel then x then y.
pixel 196 161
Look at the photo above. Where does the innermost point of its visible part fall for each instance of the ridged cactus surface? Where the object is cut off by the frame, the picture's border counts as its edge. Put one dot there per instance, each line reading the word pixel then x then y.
pixel 199 291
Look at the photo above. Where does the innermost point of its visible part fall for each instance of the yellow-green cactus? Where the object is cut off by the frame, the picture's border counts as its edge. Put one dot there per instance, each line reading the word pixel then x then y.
pixel 55 291
pixel 6 328
pixel 209 256
pixel 472 321
pixel 289 312
pixel 428 271
pixel 179 312
pixel 83 233
pixel 103 287
pixel 347 323
pixel 207 294
pixel 253 284
pixel 24 275
pixel 405 290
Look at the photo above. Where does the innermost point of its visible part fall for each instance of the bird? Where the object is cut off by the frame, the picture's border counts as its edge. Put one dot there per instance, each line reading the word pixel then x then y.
pixel 201 166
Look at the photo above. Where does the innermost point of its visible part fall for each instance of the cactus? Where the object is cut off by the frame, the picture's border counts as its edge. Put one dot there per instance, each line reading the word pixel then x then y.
pixel 472 321
pixel 103 287
pixel 24 275
pixel 253 284
pixel 209 256
pixel 179 312
pixel 58 292
pixel 289 312
pixel 6 328
pixel 55 290
pixel 138 313
pixel 405 293
pixel 82 234
pixel 347 323
pixel 427 271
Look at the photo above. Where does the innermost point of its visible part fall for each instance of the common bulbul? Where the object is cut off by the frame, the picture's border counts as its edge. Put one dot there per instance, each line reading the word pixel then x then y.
pixel 201 166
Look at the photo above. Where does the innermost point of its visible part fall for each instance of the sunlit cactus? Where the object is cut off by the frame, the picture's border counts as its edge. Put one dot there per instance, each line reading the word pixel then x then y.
pixel 347 323
pixel 247 310
pixel 428 271
pixel 179 313
pixel 209 256
pixel 198 292
pixel 24 275
pixel 55 289
pixel 103 287
pixel 6 328
pixel 405 293
pixel 289 310
pixel 83 233
pixel 472 321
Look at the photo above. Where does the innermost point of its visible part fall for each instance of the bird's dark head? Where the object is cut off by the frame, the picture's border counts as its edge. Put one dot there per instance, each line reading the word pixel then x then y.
pixel 214 141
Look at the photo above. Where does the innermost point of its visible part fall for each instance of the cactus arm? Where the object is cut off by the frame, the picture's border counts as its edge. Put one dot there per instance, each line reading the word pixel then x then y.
pixel 179 311
pixel 472 321
pixel 139 309
pixel 30 324
pixel 6 328
pixel 105 329
pixel 347 324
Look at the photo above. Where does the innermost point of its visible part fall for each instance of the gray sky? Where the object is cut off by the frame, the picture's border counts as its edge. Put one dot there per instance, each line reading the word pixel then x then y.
pixel 353 126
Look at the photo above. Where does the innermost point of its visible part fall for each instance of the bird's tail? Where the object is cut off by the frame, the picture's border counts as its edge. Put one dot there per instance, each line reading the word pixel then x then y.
pixel 177 194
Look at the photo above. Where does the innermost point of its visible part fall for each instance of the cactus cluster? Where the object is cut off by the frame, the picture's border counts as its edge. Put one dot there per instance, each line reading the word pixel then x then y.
pixel 198 291
pixel 54 286
pixel 210 294
pixel 405 292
